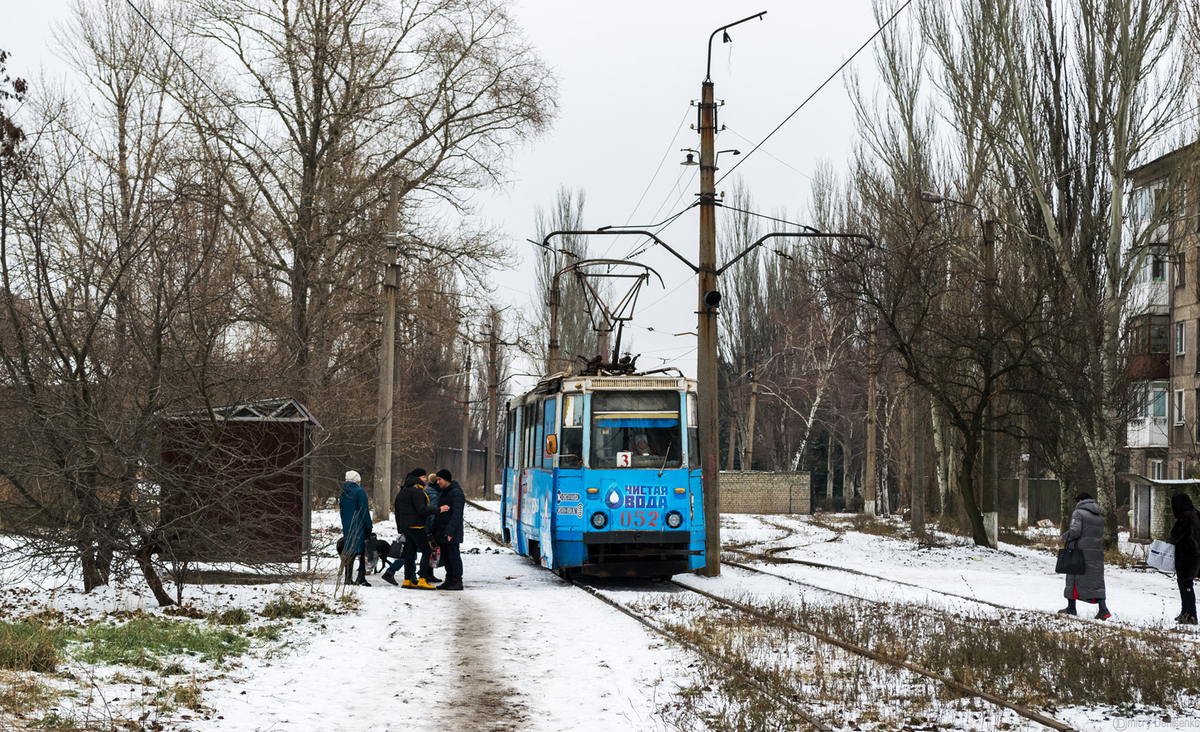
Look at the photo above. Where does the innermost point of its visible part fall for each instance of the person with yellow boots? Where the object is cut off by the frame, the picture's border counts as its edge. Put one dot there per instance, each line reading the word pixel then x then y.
pixel 412 509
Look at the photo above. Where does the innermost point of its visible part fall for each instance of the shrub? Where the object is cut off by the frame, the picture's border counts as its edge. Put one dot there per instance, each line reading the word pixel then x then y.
pixel 29 646
pixel 231 616
pixel 292 606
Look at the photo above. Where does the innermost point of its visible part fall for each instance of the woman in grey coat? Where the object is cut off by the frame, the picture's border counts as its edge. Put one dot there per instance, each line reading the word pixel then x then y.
pixel 1087 531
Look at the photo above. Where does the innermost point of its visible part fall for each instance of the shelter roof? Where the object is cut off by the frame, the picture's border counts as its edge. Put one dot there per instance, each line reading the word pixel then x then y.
pixel 279 409
pixel 1143 480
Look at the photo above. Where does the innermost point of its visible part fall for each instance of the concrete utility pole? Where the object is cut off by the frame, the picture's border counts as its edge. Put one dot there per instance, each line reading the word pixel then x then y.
pixel 869 482
pixel 917 500
pixel 466 421
pixel 706 352
pixel 493 389
pixel 991 494
pixel 732 434
pixel 748 448
pixel 706 358
pixel 387 363
pixel 552 345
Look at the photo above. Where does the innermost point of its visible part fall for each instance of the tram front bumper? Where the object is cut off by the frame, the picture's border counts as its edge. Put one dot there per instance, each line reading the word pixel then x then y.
pixel 637 553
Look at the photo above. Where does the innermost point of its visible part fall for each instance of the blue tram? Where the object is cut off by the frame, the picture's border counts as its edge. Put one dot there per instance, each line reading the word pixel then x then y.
pixel 602 476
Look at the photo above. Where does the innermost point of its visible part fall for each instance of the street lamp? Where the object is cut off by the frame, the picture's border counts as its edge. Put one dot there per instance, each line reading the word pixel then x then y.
pixel 991 486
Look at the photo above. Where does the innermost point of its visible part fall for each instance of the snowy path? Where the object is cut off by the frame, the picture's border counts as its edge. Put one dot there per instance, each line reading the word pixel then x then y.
pixel 518 650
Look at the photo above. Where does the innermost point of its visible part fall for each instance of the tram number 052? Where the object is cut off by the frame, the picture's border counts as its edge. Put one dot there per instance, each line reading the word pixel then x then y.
pixel 639 519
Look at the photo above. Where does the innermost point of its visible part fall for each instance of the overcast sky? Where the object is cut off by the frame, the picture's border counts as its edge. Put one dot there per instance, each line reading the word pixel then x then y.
pixel 627 72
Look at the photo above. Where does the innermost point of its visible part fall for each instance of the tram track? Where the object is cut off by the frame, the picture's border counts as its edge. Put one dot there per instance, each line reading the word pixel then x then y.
pixel 649 623
pixel 883 658
pixel 784 697
pixel 770 555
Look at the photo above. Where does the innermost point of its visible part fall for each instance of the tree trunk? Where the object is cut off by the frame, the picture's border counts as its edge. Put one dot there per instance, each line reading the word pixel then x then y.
pixel 152 580
pixel 966 489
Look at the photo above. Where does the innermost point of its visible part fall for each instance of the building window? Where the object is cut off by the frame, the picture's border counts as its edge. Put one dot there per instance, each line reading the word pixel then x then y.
pixel 1156 400
pixel 1178 262
pixel 1160 337
pixel 1180 339
pixel 1178 406
pixel 1156 469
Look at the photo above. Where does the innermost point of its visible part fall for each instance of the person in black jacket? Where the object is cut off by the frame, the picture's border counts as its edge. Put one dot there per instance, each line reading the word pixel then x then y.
pixel 412 508
pixel 1185 535
pixel 448 528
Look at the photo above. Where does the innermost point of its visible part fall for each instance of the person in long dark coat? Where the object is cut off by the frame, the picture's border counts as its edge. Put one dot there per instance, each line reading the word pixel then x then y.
pixel 356 526
pixel 1087 531
pixel 1185 535
pixel 448 528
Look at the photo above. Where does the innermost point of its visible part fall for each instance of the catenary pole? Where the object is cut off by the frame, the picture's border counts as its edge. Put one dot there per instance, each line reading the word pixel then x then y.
pixel 387 363
pixel 991 498
pixel 466 421
pixel 706 367
pixel 493 389
pixel 869 483
pixel 732 434
pixel 748 448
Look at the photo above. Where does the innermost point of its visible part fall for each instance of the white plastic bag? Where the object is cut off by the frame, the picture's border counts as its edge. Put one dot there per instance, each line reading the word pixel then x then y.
pixel 1161 556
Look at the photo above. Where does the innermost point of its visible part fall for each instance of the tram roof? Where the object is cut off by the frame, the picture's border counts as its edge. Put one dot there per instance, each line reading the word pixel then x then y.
pixel 568 384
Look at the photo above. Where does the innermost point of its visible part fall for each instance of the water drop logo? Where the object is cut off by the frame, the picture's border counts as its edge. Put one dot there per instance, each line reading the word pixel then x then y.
pixel 613 498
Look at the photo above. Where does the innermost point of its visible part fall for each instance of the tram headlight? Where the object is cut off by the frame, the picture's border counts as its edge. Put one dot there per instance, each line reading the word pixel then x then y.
pixel 600 520
pixel 674 519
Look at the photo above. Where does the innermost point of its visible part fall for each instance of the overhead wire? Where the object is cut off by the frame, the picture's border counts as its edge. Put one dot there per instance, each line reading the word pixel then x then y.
pixel 195 73
pixel 654 177
pixel 809 98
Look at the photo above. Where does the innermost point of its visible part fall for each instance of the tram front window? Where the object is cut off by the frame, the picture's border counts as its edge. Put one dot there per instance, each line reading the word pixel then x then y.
pixel 636 430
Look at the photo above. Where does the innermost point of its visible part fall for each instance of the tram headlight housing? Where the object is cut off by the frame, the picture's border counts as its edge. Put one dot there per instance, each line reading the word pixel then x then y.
pixel 600 520
pixel 674 519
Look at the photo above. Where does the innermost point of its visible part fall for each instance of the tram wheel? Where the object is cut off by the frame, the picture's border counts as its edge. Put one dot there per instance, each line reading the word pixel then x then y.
pixel 567 573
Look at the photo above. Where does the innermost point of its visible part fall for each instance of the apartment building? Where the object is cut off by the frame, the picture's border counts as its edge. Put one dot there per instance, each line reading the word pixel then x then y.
pixel 1163 330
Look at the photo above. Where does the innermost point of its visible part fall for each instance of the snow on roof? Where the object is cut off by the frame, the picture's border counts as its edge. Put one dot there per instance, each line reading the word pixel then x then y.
pixel 1143 480
pixel 278 409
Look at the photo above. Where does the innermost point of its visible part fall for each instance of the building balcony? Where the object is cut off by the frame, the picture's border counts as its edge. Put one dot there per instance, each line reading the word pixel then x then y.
pixel 1149 366
pixel 1150 298
pixel 1146 432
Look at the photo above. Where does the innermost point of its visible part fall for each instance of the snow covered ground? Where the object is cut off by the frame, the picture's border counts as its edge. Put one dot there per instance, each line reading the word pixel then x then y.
pixel 520 649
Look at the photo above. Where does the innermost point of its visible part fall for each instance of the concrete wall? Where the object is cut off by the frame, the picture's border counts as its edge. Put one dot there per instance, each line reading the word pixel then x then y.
pixel 763 492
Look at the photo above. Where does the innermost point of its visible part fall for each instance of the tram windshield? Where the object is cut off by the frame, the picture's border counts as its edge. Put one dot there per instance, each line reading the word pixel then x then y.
pixel 636 430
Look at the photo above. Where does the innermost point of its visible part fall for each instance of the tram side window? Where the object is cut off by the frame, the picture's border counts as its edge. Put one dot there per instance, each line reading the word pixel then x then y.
pixel 538 448
pixel 511 439
pixel 530 436
pixel 636 430
pixel 570 442
pixel 549 408
pixel 693 432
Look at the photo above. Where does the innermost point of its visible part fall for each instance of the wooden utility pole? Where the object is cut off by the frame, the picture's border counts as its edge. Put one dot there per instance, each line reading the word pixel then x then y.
pixel 387 363
pixel 466 420
pixel 869 481
pixel 493 389
pixel 748 448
